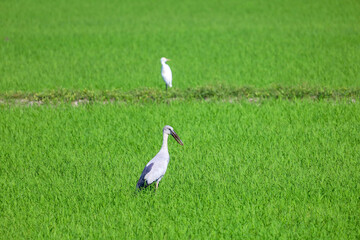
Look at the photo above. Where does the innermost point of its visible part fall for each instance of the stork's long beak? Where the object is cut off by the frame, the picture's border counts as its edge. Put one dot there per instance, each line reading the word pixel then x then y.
pixel 176 137
pixel 168 59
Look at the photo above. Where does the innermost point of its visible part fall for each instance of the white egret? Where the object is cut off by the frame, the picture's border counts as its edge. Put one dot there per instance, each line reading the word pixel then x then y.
pixel 155 169
pixel 166 72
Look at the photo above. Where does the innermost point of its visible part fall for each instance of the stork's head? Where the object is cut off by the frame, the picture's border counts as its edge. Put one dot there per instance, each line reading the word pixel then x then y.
pixel 170 131
pixel 164 60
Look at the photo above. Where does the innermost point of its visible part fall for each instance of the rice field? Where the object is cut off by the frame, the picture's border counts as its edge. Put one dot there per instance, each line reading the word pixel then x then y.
pixel 101 45
pixel 272 170
pixel 265 98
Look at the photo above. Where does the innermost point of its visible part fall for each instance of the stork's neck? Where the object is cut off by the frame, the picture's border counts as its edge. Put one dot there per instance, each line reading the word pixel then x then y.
pixel 165 142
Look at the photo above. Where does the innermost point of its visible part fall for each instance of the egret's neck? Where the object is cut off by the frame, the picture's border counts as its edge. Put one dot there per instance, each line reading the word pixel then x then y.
pixel 165 142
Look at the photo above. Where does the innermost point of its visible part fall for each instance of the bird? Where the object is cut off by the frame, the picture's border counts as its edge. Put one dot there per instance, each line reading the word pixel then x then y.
pixel 155 169
pixel 166 72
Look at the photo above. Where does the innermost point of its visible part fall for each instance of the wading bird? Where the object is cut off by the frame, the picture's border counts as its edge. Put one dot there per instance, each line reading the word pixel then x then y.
pixel 156 168
pixel 166 72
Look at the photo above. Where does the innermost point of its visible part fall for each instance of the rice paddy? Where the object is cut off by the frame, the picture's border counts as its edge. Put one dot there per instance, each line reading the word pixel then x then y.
pixel 265 99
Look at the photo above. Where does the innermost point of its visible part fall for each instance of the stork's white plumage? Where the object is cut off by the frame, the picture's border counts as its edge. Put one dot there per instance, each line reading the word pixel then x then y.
pixel 155 169
pixel 166 72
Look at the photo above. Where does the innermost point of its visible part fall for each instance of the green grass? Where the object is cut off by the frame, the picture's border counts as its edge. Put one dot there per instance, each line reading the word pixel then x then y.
pixel 102 45
pixel 275 170
pixel 217 93
pixel 223 93
pixel 274 154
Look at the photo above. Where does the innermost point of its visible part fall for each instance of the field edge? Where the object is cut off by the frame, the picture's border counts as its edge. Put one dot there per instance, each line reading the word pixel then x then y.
pixel 216 92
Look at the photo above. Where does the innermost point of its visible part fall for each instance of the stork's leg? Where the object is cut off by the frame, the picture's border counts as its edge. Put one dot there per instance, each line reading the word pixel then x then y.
pixel 157 184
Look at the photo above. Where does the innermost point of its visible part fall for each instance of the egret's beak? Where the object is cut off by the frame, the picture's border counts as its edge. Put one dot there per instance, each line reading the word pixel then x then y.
pixel 168 59
pixel 176 137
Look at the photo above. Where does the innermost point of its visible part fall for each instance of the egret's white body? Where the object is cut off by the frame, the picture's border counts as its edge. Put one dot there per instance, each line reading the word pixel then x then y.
pixel 166 72
pixel 155 169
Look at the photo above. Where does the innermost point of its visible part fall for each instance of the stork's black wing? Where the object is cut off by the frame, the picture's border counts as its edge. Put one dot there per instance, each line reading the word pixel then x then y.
pixel 142 182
